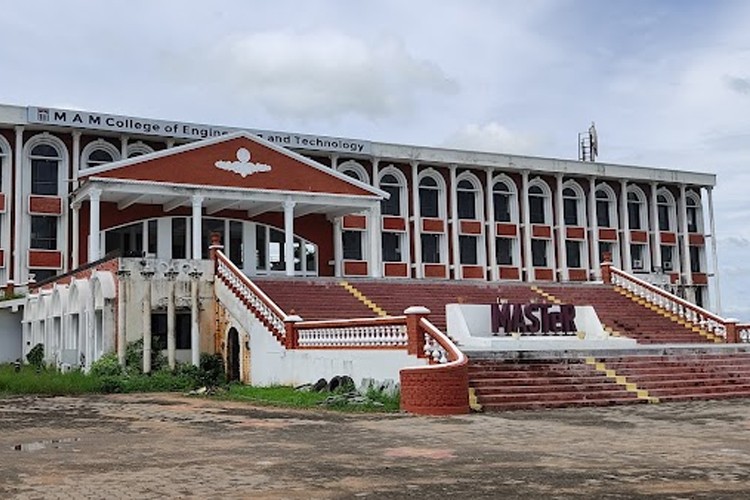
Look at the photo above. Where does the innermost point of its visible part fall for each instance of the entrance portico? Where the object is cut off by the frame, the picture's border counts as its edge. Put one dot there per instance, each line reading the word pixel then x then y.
pixel 202 179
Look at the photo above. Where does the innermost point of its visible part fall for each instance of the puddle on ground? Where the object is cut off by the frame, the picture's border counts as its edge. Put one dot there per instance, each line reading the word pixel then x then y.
pixel 47 443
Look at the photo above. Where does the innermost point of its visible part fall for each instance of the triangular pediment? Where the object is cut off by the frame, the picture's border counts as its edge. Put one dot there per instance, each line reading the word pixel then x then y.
pixel 239 160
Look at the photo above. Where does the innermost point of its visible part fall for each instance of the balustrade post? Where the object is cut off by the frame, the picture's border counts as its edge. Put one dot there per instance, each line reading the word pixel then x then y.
pixel 415 338
pixel 215 245
pixel 733 336
pixel 290 338
pixel 606 264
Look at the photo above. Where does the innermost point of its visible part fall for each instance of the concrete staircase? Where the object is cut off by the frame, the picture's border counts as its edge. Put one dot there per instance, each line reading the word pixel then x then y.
pixel 629 318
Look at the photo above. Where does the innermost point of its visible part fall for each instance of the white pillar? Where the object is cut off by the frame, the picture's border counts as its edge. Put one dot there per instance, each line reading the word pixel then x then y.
pixel 123 146
pixel 456 250
pixel 146 320
pixel 714 254
pixel 197 227
pixel 94 211
pixel 122 300
pixel 334 161
pixel 595 261
pixel 373 228
pixel 687 274
pixel 19 240
pixel 526 225
pixel 195 338
pixel 561 230
pixel 171 340
pixel 627 265
pixel 289 237
pixel 75 215
pixel 338 251
pixel 491 226
pixel 656 231
pixel 417 218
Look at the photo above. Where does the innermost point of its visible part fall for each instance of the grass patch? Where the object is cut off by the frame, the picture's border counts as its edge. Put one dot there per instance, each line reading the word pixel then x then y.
pixel 287 396
pixel 47 382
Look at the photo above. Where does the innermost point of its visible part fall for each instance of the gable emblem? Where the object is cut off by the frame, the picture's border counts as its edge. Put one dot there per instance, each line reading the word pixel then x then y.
pixel 243 165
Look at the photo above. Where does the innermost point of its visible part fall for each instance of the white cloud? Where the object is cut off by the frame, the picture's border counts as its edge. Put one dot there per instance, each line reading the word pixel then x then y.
pixel 321 74
pixel 492 137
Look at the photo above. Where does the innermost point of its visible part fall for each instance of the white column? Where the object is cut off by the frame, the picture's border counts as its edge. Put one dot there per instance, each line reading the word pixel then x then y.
pixel 375 171
pixel 171 340
pixel 526 225
pixel 146 311
pixel 289 237
pixel 197 227
pixel 338 250
pixel 122 300
pixel 491 227
pixel 195 337
pixel 334 162
pixel 595 261
pixel 452 191
pixel 75 246
pixel 373 228
pixel 714 254
pixel 656 231
pixel 123 146
pixel 19 240
pixel 94 211
pixel 627 265
pixel 417 218
pixel 687 275
pixel 561 236
pixel 170 143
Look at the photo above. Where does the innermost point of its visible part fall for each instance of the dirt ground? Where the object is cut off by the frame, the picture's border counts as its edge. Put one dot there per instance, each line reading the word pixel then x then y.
pixel 157 446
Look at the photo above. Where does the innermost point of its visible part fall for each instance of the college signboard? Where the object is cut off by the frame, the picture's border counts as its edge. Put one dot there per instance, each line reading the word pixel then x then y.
pixel 533 319
pixel 183 130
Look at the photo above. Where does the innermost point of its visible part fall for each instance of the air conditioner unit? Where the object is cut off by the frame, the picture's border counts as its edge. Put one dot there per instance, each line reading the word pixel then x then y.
pixel 637 264
pixel 667 266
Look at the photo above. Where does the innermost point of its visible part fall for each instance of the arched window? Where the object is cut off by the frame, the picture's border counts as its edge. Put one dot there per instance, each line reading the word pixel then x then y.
pixel 573 203
pixel 665 208
pixel 138 149
pixel 694 215
pixel 355 171
pixel 429 197
pixel 45 164
pixel 390 183
pixel 466 196
pixel 539 209
pixel 99 152
pixel 636 208
pixel 605 207
pixel 503 200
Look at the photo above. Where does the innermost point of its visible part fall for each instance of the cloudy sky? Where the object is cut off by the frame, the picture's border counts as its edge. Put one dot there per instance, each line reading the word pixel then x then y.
pixel 667 81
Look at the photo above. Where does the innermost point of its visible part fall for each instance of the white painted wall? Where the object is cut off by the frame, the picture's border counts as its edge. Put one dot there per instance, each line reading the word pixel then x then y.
pixel 11 334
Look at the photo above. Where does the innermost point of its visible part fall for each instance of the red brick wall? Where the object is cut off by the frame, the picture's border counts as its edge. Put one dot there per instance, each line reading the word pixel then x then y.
pixel 436 390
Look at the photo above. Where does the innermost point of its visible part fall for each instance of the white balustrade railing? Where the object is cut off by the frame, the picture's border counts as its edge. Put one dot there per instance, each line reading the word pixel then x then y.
pixel 438 347
pixel 681 308
pixel 360 333
pixel 251 295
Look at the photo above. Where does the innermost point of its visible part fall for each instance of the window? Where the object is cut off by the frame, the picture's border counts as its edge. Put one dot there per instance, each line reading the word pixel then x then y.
pixel 468 250
pixel 211 226
pixel 429 195
pixel 504 251
pixel 636 257
pixel 354 170
pixel 662 207
pixel 573 253
pixel 179 238
pixel 501 200
pixel 392 206
pixel 352 243
pixel 181 330
pixel 692 214
pixel 603 204
pixel 43 274
pixel 431 248
pixel 634 211
pixel 138 149
pixel 695 259
pixel 667 263
pixel 43 232
pixel 98 157
pixel 127 239
pixel 539 253
pixel 45 162
pixel 605 247
pixel 466 198
pixel 391 243
pixel 537 201
pixel 261 248
pixel 570 207
pixel 234 250
pixel 350 172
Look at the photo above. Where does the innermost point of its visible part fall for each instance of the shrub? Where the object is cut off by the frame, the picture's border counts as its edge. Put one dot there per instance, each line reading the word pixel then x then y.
pixel 35 356
pixel 212 370
pixel 134 356
pixel 106 366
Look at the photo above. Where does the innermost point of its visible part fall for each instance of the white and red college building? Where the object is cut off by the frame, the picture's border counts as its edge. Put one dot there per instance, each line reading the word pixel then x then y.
pixel 73 189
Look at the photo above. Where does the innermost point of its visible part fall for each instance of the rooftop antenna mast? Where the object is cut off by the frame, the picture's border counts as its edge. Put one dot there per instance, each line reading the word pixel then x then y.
pixel 588 144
